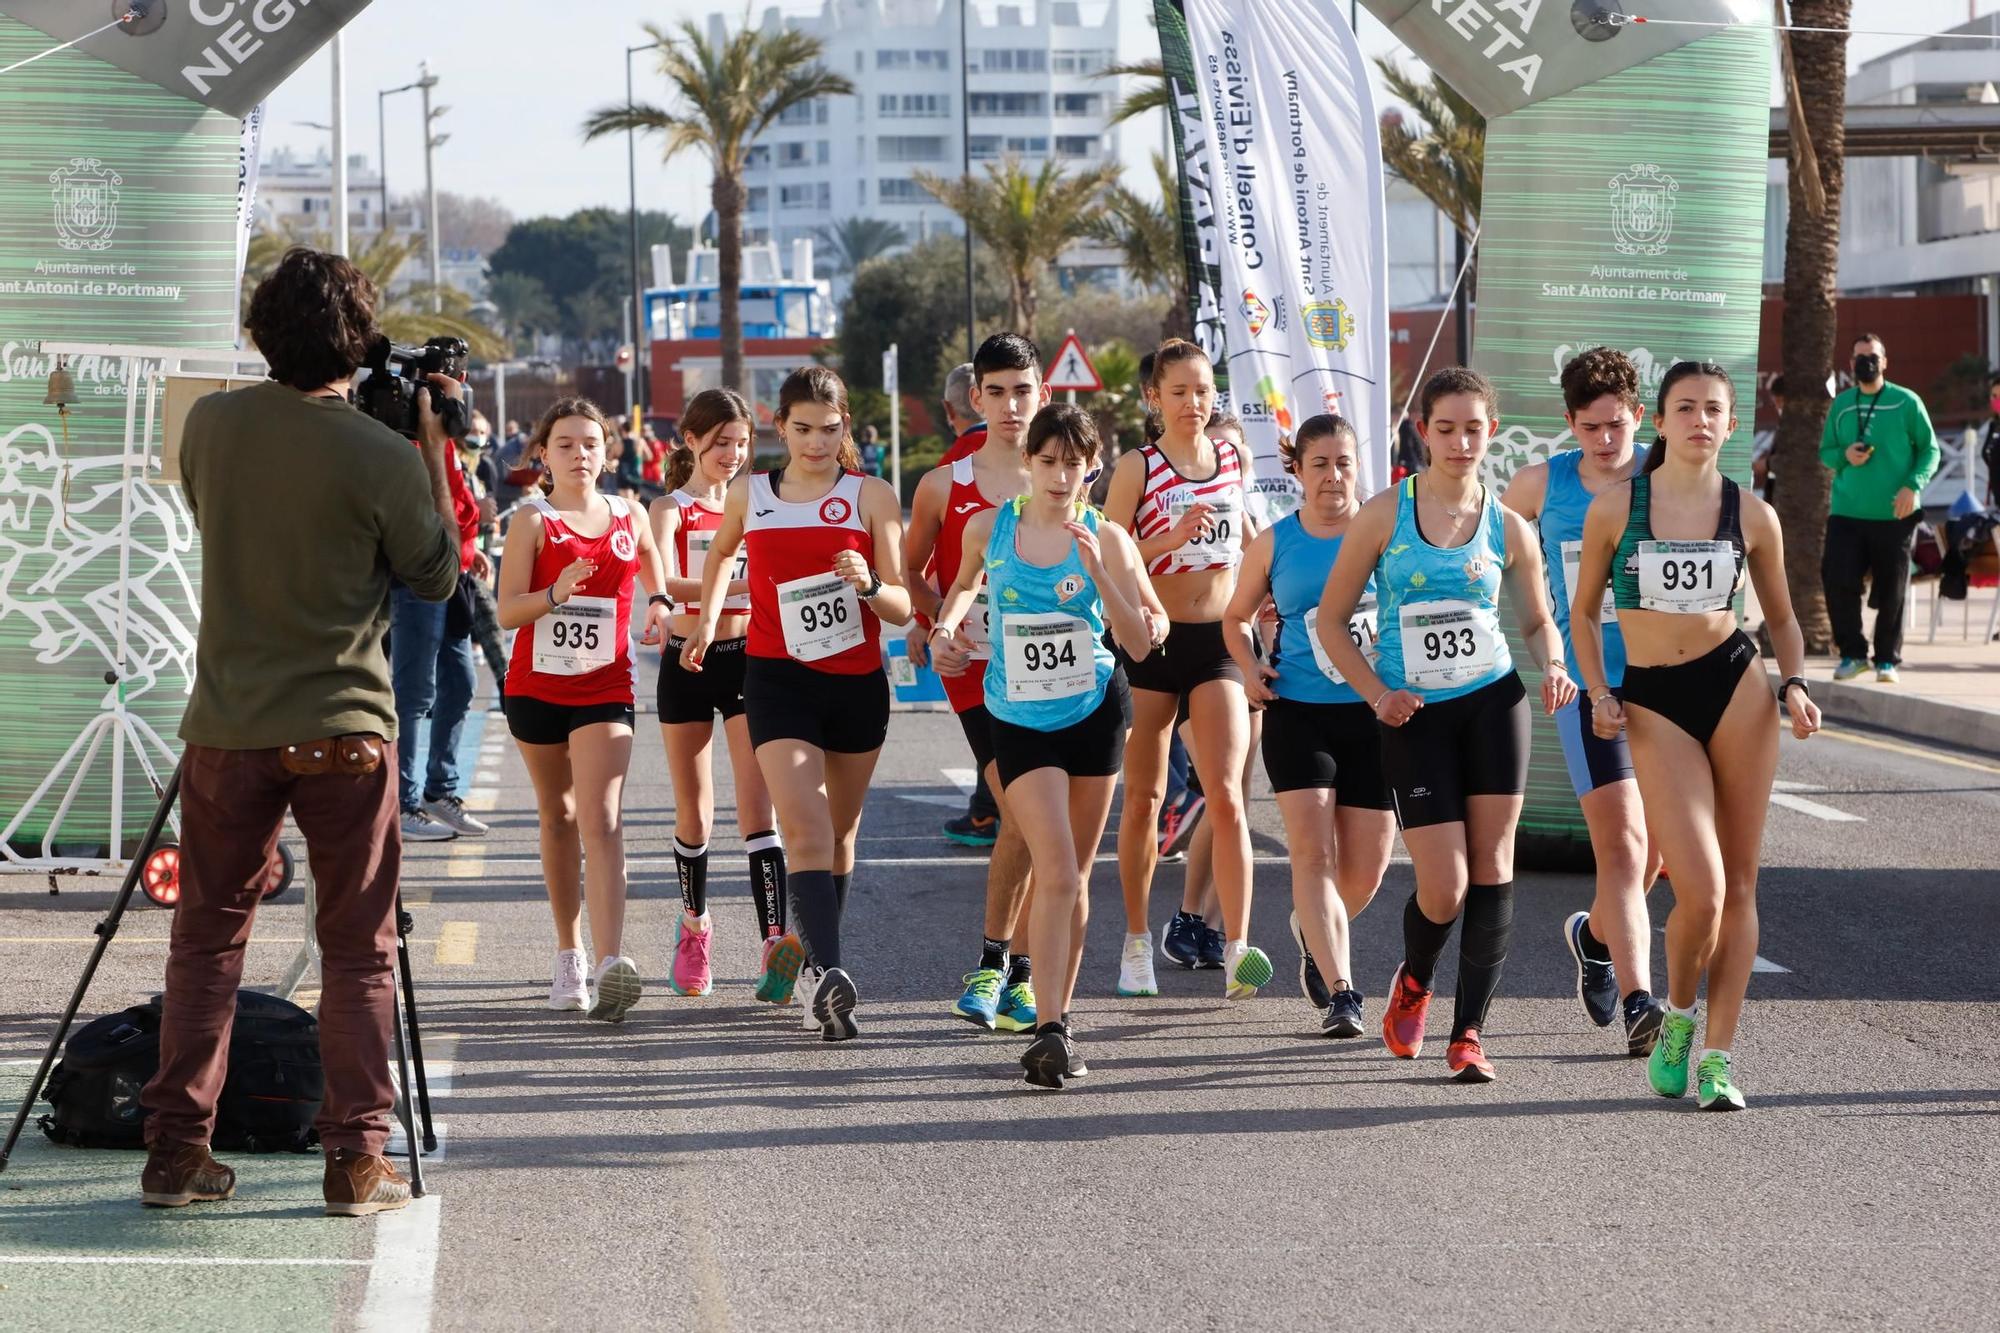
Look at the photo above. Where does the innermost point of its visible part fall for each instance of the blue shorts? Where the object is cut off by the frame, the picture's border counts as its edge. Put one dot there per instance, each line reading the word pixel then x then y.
pixel 1592 761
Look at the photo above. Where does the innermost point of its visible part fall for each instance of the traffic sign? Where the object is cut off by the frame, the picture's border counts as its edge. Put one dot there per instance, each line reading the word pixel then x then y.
pixel 1072 369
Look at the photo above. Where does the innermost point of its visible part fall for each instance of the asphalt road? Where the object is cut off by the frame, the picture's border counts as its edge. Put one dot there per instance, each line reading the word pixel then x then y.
pixel 709 1165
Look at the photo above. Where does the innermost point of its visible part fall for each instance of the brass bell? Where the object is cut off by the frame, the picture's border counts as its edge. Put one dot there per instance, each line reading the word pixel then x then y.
pixel 62 387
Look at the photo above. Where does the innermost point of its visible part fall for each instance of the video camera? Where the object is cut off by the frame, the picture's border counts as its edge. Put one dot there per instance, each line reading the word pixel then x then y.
pixel 396 377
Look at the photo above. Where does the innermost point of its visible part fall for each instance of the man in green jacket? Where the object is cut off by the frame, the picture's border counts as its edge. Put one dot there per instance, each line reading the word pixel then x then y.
pixel 1879 443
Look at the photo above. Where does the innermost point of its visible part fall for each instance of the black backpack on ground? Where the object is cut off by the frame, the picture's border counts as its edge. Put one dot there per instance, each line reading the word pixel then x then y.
pixel 268 1100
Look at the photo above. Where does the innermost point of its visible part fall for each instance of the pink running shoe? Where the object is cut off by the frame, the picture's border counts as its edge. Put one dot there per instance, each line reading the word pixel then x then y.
pixel 689 973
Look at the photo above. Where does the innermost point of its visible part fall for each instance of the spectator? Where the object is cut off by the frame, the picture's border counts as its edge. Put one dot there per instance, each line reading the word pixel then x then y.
pixel 1409 450
pixel 968 428
pixel 615 449
pixel 307 509
pixel 871 451
pixel 654 474
pixel 1878 442
pixel 1989 451
pixel 1761 445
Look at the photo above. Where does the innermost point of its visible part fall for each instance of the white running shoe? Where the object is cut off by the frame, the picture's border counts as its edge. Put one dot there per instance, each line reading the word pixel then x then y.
pixel 570 990
pixel 802 995
pixel 617 986
pixel 419 826
pixel 451 812
pixel 1135 967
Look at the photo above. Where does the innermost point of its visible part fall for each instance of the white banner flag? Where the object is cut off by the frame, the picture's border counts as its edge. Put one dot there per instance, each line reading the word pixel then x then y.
pixel 1296 162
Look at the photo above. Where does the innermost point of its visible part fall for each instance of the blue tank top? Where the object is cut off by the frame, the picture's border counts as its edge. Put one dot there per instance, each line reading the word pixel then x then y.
pixel 1440 606
pixel 1300 563
pixel 1050 663
pixel 1564 504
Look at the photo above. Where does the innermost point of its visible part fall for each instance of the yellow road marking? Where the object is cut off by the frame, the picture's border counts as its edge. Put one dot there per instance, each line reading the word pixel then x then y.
pixel 1900 747
pixel 483 798
pixel 306 999
pixel 458 943
pixel 468 864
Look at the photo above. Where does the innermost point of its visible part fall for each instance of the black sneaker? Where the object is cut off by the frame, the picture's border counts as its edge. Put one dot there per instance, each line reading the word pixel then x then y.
pixel 1181 942
pixel 833 1004
pixel 1310 981
pixel 1048 1057
pixel 1343 1015
pixel 1643 1016
pixel 1596 981
pixel 1212 944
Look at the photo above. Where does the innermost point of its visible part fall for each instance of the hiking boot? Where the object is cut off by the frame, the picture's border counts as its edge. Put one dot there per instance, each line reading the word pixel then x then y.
pixel 178 1174
pixel 358 1184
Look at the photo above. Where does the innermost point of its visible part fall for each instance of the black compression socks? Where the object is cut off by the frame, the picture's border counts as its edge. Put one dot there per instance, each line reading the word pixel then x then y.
pixel 993 954
pixel 692 865
pixel 1423 941
pixel 1482 952
pixel 840 883
pixel 767 881
pixel 816 915
pixel 1020 970
pixel 1595 949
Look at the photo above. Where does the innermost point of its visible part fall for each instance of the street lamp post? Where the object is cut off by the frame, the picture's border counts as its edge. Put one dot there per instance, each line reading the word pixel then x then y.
pixel 641 327
pixel 965 145
pixel 382 136
pixel 432 142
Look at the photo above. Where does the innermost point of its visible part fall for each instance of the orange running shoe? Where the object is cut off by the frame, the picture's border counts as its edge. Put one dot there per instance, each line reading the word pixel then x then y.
pixel 1403 1019
pixel 1466 1059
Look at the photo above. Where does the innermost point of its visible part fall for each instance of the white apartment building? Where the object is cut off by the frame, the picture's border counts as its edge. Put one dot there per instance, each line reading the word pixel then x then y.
pixel 1032 92
pixel 296 193
pixel 1909 224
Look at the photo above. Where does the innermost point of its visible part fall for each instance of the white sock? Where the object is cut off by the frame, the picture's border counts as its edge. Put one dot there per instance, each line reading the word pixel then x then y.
pixel 1710 1050
pixel 1687 1013
pixel 1146 935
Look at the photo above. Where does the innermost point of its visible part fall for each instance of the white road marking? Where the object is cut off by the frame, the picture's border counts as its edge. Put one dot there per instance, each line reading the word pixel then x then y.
pixel 398 1147
pixel 931 798
pixel 1763 964
pixel 964 779
pixel 401 1284
pixel 1815 809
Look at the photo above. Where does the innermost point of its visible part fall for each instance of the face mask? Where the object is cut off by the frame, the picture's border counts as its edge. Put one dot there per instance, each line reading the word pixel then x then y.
pixel 1867 368
pixel 1996 404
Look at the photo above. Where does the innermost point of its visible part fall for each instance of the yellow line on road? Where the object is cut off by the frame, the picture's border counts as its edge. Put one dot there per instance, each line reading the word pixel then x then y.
pixel 1916 751
pixel 458 943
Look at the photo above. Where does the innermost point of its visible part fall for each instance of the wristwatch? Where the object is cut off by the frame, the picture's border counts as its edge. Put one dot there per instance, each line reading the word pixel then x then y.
pixel 874 587
pixel 1799 681
pixel 660 599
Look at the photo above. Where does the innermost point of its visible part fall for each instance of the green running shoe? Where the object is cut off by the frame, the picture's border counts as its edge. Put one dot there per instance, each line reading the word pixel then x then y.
pixel 1713 1090
pixel 1667 1069
pixel 1249 968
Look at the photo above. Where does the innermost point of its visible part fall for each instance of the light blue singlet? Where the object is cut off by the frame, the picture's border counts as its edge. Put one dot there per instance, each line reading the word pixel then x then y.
pixel 1049 665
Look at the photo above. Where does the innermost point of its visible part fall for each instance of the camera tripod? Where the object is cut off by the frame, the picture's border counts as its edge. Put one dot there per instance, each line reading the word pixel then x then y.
pixel 409 1042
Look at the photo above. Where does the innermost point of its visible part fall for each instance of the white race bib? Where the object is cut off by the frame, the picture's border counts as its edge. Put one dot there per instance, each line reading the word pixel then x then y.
pixel 1047 657
pixel 1686 577
pixel 820 615
pixel 1363 627
pixel 1220 548
pixel 578 637
pixel 1448 643
pixel 698 544
pixel 1572 554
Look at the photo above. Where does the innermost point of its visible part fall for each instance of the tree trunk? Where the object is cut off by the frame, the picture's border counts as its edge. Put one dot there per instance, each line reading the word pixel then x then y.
pixel 1021 303
pixel 1812 260
pixel 1179 321
pixel 729 196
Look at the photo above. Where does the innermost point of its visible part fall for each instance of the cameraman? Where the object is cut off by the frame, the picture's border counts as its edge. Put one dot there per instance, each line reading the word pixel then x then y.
pixel 306 509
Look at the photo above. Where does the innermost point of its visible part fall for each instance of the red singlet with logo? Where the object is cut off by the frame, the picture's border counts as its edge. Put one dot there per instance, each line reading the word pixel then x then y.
pixel 697 519
pixel 960 507
pixel 793 600
pixel 594 667
pixel 1167 495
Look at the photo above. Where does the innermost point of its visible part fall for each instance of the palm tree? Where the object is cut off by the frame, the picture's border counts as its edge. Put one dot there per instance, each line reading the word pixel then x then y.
pixel 1446 162
pixel 1153 93
pixel 1026 220
pixel 523 305
pixel 856 240
pixel 404 315
pixel 731 92
pixel 1816 86
pixel 1147 235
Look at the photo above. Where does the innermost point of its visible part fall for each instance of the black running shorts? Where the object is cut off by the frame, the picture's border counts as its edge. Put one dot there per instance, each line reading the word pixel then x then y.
pixel 788 701
pixel 697 696
pixel 1326 745
pixel 977 724
pixel 1473 745
pixel 1092 748
pixel 1193 655
pixel 538 722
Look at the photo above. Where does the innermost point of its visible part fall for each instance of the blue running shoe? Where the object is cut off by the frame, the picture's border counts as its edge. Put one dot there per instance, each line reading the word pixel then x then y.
pixel 1182 941
pixel 1212 945
pixel 981 1002
pixel 1017 1008
pixel 1850 668
pixel 1596 979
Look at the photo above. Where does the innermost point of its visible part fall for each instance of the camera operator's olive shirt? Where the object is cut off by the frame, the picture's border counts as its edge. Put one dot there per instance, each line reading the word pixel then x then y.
pixel 306 508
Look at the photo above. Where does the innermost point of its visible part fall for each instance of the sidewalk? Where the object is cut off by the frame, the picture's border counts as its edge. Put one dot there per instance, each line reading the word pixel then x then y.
pixel 1950 689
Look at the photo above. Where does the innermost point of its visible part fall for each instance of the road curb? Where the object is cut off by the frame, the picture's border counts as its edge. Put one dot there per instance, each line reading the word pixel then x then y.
pixel 1886 708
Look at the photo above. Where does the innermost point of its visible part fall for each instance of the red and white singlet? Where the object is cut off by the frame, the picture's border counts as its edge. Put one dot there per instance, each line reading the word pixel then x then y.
pixel 961 506
pixel 799 608
pixel 696 530
pixel 581 652
pixel 1168 495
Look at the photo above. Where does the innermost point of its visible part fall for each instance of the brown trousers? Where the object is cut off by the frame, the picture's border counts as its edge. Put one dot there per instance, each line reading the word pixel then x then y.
pixel 233 805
